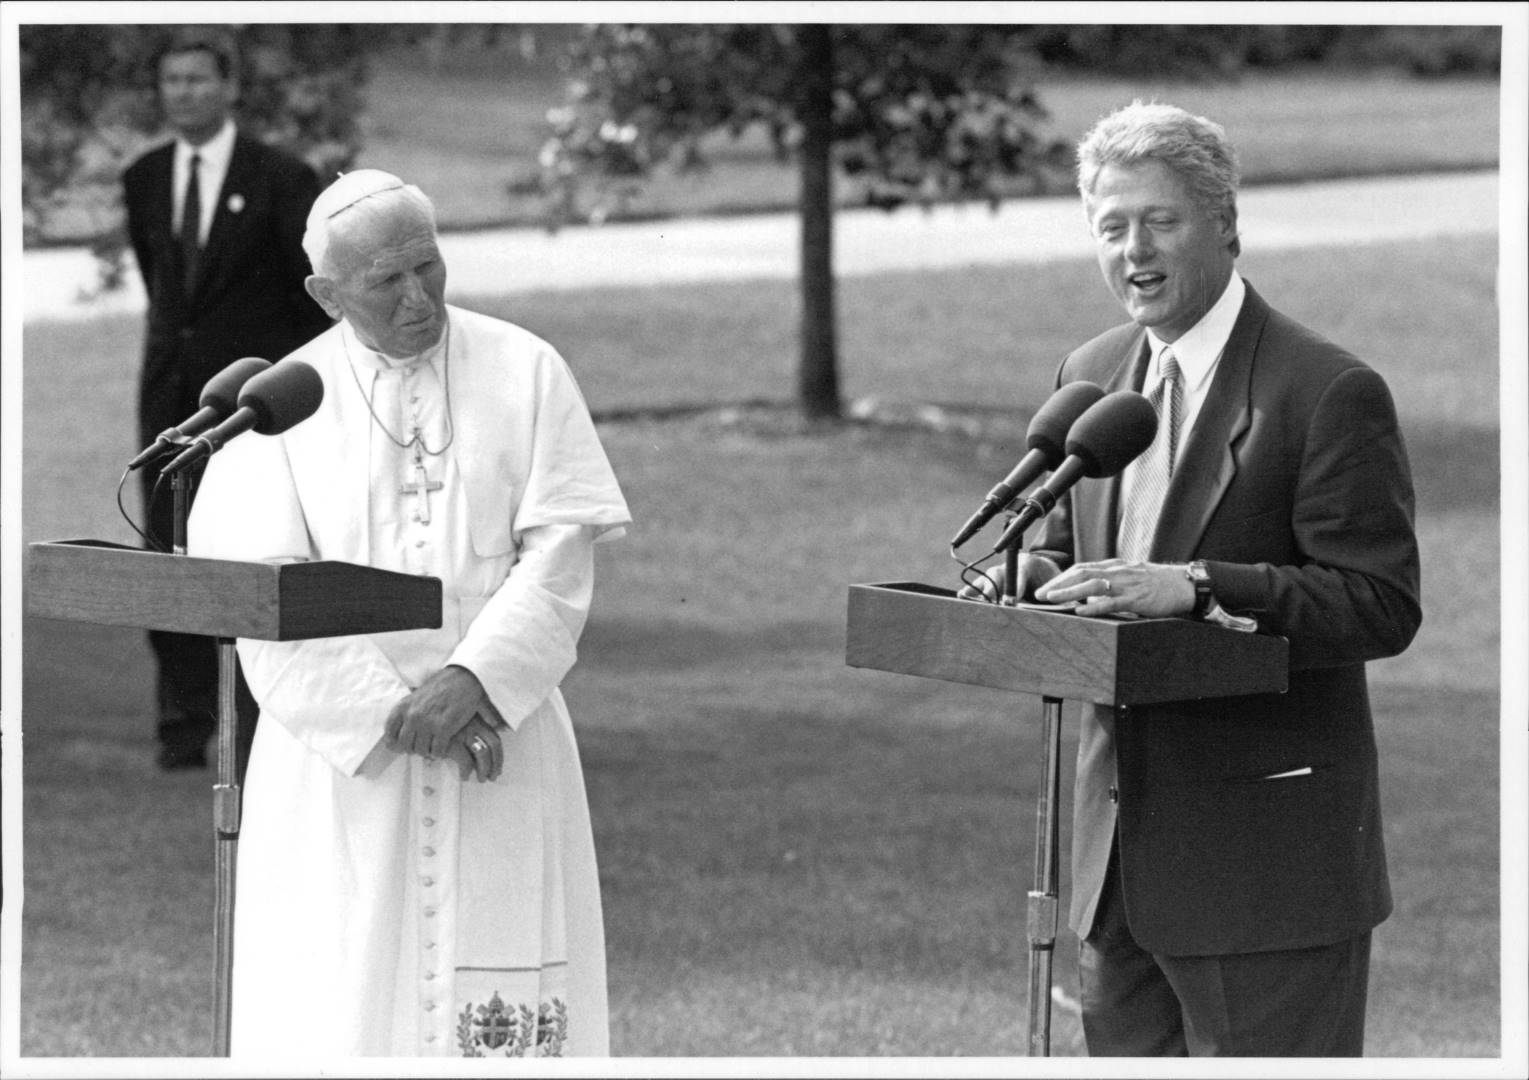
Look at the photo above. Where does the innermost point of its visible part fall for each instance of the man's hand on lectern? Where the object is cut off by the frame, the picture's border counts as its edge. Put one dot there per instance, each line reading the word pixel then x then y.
pixel 1034 571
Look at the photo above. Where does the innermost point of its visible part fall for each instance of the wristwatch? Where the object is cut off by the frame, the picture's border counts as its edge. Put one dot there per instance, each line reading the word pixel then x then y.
pixel 1199 577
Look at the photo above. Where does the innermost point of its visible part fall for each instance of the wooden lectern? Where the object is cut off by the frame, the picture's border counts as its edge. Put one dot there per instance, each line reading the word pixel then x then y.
pixel 921 630
pixel 98 582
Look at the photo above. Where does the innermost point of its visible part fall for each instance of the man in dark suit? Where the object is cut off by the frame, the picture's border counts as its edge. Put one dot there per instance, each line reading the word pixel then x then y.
pixel 1228 864
pixel 224 281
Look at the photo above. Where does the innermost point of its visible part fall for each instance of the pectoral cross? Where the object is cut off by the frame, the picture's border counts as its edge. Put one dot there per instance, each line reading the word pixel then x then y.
pixel 421 486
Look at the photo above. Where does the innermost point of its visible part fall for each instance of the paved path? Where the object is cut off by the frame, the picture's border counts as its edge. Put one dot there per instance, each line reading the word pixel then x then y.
pixel 866 241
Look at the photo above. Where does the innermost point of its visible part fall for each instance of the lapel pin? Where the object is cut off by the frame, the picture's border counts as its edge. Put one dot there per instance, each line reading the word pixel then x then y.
pixel 235 203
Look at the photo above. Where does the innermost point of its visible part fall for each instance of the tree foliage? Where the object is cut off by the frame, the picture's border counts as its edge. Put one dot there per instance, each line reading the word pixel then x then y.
pixel 918 112
pixel 907 113
pixel 1226 51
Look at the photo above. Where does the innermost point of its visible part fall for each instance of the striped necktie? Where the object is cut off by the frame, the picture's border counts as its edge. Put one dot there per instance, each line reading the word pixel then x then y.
pixel 191 226
pixel 1150 484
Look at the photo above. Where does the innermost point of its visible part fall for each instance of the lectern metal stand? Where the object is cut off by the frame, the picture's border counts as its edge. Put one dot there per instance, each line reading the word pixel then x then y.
pixel 97 582
pixel 922 630
pixel 226 801
pixel 1041 914
pixel 225 824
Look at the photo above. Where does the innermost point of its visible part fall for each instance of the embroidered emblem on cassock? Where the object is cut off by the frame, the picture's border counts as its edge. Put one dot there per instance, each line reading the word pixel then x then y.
pixel 498 1030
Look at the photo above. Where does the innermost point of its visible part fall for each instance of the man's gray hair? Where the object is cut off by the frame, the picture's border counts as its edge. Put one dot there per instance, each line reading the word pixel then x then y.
pixel 1195 148
pixel 365 194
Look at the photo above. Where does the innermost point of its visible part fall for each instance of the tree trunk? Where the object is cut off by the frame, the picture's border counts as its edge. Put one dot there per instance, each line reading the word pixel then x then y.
pixel 818 373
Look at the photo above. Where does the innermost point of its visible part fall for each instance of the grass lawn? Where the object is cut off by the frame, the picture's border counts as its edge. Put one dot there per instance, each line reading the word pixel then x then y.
pixel 797 858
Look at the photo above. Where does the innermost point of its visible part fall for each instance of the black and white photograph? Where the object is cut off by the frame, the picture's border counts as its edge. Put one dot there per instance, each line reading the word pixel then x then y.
pixel 764 539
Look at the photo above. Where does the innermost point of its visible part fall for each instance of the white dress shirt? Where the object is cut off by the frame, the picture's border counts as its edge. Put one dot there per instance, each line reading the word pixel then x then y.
pixel 1198 352
pixel 213 167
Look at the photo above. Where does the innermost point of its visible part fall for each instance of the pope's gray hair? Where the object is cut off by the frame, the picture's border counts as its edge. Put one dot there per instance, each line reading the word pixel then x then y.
pixel 1195 148
pixel 371 206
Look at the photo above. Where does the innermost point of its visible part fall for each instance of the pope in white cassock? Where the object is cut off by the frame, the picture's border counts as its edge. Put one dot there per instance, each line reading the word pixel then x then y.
pixel 416 869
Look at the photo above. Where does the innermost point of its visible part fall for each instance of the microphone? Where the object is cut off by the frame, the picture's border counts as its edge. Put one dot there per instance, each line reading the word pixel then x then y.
pixel 270 403
pixel 1109 436
pixel 219 399
pixel 1045 439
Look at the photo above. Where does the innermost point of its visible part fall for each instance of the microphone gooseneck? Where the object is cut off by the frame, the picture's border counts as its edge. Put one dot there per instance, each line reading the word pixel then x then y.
pixel 1114 431
pixel 218 401
pixel 269 404
pixel 1046 439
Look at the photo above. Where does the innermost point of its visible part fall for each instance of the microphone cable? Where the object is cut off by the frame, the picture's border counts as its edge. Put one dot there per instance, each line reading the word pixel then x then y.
pixel 969 574
pixel 153 542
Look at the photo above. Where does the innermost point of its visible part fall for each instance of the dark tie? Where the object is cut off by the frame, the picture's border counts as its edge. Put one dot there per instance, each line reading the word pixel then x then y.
pixel 191 226
pixel 1150 484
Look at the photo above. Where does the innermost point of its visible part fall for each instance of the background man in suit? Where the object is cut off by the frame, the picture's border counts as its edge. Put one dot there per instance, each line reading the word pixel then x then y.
pixel 1228 865
pixel 224 281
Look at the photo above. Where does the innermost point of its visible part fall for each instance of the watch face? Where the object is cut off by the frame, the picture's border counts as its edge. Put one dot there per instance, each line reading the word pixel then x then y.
pixel 1200 578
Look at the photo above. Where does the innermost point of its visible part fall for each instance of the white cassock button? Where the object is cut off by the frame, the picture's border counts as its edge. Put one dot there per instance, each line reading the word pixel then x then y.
pixel 429 852
pixel 429 975
pixel 429 790
pixel 429 822
pixel 430 913
pixel 429 881
pixel 430 1006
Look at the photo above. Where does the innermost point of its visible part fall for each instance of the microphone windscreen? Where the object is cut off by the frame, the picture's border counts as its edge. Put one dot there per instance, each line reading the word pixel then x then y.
pixel 1113 432
pixel 287 394
pixel 222 390
pixel 1053 420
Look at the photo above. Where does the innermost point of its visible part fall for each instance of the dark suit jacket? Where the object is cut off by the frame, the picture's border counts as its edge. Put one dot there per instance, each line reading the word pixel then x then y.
pixel 248 298
pixel 1295 489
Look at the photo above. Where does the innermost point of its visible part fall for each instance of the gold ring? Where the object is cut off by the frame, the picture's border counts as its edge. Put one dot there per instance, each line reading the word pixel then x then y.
pixel 477 745
pixel 1106 586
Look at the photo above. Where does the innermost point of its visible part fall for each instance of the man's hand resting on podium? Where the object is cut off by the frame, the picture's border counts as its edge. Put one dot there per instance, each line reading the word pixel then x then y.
pixel 1114 586
pixel 1111 587
pixel 1034 571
